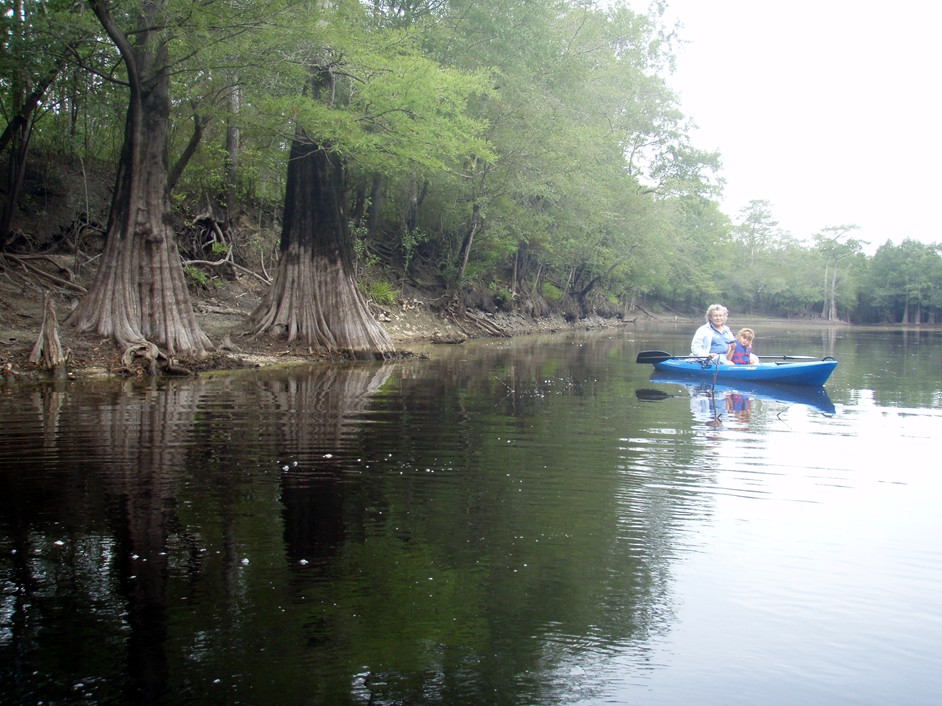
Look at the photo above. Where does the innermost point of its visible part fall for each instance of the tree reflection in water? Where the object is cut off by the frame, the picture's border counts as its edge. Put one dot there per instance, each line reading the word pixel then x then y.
pixel 423 531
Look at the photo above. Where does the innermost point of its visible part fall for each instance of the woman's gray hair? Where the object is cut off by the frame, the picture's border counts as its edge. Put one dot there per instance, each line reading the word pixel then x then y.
pixel 713 308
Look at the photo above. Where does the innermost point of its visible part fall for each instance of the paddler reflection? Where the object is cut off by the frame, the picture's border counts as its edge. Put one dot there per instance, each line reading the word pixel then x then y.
pixel 714 407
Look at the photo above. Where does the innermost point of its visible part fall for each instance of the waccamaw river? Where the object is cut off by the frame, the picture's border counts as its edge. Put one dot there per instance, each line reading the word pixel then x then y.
pixel 528 521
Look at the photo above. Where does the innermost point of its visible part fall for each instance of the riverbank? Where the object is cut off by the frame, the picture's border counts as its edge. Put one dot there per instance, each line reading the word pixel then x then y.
pixel 224 312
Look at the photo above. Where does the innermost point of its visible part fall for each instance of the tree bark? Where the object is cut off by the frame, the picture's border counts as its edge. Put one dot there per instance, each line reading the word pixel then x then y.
pixel 412 214
pixel 832 301
pixel 373 219
pixel 473 227
pixel 233 146
pixel 199 125
pixel 139 295
pixel 47 352
pixel 17 135
pixel 314 298
pixel 16 171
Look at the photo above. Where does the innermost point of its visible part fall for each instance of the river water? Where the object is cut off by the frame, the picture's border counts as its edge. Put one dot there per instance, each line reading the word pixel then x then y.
pixel 529 521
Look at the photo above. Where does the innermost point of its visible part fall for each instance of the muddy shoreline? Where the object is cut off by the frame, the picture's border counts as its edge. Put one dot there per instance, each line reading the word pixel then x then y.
pixel 224 315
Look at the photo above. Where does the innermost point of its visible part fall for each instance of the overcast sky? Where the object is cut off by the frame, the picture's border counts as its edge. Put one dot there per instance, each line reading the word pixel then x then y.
pixel 828 109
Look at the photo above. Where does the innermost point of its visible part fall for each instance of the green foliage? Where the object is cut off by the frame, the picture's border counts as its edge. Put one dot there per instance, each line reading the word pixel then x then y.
pixel 360 254
pixel 379 291
pixel 449 273
pixel 551 292
pixel 410 241
pixel 206 173
pixel 500 292
pixel 197 277
pixel 903 283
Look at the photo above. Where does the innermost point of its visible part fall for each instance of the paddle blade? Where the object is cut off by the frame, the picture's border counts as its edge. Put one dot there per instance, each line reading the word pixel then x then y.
pixel 646 394
pixel 652 357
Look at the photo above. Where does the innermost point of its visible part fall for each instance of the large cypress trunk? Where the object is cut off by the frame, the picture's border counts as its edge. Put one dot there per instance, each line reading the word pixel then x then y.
pixel 314 298
pixel 139 295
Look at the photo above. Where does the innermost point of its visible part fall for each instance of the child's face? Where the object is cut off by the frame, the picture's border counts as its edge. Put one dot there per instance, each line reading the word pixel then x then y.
pixel 745 339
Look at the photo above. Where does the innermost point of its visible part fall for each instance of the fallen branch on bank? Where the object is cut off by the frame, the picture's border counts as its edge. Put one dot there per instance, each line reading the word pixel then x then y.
pixel 23 261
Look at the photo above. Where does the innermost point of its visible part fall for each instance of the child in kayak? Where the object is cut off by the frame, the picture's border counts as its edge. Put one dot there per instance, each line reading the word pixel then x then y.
pixel 740 351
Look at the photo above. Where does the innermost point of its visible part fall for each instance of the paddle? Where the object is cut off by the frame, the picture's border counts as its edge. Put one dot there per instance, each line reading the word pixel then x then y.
pixel 788 357
pixel 653 357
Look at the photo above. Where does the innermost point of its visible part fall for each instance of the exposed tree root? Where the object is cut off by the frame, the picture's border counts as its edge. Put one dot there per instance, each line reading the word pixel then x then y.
pixel 48 353
pixel 316 303
pixel 144 350
pixel 173 368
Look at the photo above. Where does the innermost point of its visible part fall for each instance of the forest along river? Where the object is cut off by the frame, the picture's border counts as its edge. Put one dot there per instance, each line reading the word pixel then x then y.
pixel 531 521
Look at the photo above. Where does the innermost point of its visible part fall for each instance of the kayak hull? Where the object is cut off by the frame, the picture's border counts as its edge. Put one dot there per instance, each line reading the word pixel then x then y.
pixel 814 372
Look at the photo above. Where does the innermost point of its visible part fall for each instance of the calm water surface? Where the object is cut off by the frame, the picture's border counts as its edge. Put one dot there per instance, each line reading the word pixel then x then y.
pixel 536 521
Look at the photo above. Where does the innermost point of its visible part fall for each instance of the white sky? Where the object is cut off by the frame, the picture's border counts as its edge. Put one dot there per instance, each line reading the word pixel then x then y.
pixel 828 109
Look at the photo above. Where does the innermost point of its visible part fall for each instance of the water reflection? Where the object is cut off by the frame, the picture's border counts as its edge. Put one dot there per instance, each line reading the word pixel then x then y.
pixel 413 533
pixel 711 403
pixel 133 498
pixel 509 522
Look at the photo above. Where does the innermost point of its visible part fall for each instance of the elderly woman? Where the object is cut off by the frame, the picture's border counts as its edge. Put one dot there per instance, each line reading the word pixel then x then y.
pixel 712 340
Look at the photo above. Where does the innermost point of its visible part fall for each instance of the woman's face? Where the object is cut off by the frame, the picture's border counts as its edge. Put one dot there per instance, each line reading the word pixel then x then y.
pixel 718 318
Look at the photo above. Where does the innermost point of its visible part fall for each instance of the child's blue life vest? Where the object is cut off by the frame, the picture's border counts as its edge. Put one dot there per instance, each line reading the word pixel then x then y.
pixel 741 354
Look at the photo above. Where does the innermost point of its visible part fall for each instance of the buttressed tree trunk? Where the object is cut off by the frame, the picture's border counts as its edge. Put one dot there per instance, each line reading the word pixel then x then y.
pixel 139 296
pixel 314 298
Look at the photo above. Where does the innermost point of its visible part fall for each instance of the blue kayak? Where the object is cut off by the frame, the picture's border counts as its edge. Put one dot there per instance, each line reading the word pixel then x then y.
pixel 813 372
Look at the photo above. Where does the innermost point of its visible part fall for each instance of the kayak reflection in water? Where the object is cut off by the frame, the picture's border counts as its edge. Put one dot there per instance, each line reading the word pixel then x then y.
pixel 710 403
pixel 813 396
